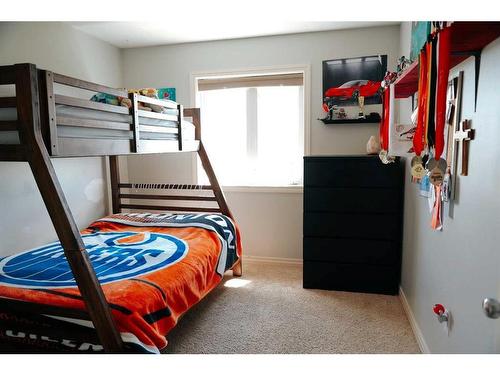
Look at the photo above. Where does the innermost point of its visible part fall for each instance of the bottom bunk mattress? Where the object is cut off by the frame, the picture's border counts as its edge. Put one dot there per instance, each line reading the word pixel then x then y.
pixel 152 268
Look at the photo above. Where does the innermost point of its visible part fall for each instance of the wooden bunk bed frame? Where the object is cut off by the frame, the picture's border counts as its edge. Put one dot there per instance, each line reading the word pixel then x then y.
pixel 38 128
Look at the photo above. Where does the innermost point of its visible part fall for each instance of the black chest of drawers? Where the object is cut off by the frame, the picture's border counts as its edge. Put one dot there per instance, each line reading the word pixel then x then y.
pixel 353 220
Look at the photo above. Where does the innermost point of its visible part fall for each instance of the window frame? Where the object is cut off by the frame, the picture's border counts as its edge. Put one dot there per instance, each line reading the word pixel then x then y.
pixel 305 70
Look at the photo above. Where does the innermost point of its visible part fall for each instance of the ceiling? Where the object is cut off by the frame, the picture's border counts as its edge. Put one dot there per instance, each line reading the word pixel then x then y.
pixel 142 34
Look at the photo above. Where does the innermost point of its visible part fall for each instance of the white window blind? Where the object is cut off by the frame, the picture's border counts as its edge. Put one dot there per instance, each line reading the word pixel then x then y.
pixel 269 80
pixel 253 128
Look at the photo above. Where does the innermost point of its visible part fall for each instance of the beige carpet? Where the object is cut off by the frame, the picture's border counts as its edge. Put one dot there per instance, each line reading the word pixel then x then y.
pixel 272 313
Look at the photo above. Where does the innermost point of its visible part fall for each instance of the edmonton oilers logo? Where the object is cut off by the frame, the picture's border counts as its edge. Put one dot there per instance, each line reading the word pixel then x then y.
pixel 115 256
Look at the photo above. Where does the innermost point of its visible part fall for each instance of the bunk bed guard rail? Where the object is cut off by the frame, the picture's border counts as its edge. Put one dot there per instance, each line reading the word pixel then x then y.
pixel 74 125
pixel 10 148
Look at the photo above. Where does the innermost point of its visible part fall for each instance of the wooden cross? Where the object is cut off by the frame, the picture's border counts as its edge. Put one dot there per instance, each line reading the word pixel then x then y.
pixel 464 134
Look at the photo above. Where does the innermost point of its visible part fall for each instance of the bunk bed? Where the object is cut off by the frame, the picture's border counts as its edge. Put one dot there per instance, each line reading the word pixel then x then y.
pixel 89 310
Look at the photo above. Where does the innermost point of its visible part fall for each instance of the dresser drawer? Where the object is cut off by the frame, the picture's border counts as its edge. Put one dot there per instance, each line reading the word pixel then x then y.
pixel 343 250
pixel 363 226
pixel 351 172
pixel 352 200
pixel 351 277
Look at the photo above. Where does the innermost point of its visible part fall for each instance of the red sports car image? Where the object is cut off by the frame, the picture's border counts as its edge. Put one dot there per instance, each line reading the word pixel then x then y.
pixel 354 89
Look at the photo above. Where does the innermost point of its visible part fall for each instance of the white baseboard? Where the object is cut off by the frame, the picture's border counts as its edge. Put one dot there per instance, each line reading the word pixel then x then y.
pixel 413 322
pixel 252 258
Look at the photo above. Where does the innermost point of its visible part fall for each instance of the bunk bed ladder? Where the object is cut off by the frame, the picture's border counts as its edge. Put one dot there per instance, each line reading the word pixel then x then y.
pixel 194 113
pixel 207 166
pixel 214 183
pixel 33 150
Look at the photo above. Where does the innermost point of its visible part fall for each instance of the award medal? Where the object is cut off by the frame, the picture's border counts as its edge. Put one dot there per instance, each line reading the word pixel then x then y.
pixel 417 167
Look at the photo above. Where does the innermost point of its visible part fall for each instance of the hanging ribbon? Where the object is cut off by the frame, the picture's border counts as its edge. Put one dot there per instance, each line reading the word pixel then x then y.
pixel 384 123
pixel 392 137
pixel 419 138
pixel 436 221
pixel 443 69
pixel 428 54
pixel 431 95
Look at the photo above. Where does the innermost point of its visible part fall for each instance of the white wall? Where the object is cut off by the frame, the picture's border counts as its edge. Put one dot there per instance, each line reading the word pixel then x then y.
pixel 460 266
pixel 271 223
pixel 24 222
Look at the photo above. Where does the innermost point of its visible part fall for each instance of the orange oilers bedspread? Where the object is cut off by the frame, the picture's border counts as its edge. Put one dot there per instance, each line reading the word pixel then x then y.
pixel 152 268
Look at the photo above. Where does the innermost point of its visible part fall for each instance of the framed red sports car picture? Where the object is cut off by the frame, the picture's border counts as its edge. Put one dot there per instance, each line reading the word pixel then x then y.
pixel 346 79
pixel 353 82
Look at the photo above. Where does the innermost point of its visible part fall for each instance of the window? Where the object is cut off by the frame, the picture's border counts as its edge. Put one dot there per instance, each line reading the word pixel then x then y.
pixel 253 128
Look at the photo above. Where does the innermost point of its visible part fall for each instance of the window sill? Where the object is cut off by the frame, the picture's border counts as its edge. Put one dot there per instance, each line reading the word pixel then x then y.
pixel 264 189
